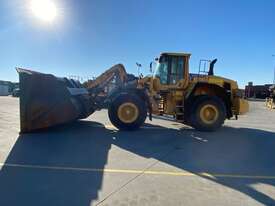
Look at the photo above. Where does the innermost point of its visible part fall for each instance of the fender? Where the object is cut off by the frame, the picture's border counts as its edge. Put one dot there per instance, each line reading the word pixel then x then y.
pixel 214 90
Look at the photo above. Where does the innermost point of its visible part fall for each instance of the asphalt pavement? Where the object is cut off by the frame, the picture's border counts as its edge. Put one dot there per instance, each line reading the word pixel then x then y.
pixel 90 162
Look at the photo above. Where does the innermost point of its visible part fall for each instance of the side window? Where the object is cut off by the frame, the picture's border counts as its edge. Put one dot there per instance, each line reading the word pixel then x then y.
pixel 177 67
pixel 163 73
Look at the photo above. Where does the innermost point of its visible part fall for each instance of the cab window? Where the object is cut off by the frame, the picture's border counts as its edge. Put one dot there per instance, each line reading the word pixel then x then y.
pixel 162 70
pixel 177 67
pixel 170 69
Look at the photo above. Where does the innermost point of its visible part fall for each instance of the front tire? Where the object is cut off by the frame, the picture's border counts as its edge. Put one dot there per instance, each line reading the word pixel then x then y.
pixel 208 113
pixel 127 112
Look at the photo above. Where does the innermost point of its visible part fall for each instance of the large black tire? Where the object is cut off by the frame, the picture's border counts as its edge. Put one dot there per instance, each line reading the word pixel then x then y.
pixel 116 110
pixel 207 113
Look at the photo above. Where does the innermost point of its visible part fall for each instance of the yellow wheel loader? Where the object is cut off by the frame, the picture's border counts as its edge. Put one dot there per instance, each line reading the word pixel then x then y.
pixel 270 101
pixel 200 100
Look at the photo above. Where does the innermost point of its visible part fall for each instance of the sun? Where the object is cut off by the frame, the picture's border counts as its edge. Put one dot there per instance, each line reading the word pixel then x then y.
pixel 44 9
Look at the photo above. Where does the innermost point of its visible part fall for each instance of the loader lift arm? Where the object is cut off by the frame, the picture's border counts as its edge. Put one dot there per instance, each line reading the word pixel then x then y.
pixel 125 83
pixel 101 81
pixel 126 101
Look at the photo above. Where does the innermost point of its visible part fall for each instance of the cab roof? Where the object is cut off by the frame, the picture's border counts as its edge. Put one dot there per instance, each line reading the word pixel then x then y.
pixel 176 54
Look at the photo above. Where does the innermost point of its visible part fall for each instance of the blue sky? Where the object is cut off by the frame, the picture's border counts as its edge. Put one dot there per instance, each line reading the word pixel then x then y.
pixel 90 36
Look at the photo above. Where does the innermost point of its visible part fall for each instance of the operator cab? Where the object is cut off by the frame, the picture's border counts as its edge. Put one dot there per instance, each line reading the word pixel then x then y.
pixel 171 68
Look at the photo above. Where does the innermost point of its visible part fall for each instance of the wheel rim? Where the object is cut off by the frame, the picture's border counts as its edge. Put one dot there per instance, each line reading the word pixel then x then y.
pixel 209 114
pixel 128 112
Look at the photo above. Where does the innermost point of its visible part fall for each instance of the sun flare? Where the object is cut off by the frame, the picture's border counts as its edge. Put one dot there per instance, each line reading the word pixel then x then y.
pixel 44 9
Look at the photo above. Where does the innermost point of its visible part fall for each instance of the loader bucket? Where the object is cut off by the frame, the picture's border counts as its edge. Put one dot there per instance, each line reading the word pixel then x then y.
pixel 46 100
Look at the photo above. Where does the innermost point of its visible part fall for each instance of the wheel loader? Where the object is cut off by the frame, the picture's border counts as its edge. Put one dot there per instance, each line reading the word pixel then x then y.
pixel 270 101
pixel 202 101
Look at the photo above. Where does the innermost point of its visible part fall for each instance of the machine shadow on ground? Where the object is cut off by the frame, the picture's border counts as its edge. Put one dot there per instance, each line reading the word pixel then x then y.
pixel 86 144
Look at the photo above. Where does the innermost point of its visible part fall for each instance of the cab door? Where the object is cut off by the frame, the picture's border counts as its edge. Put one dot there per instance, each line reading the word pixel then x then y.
pixel 176 69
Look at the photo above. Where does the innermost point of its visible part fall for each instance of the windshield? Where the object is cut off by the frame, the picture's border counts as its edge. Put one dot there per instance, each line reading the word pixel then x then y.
pixel 161 72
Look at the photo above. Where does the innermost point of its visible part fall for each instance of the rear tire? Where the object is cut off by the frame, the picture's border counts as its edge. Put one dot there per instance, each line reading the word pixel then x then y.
pixel 207 113
pixel 127 112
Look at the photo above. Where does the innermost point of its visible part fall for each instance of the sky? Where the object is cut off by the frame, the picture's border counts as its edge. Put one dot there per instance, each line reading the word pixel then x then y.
pixel 88 37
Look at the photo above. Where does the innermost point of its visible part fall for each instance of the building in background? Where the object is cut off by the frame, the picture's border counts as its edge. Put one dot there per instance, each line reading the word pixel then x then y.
pixel 257 91
pixel 7 87
pixel 4 90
